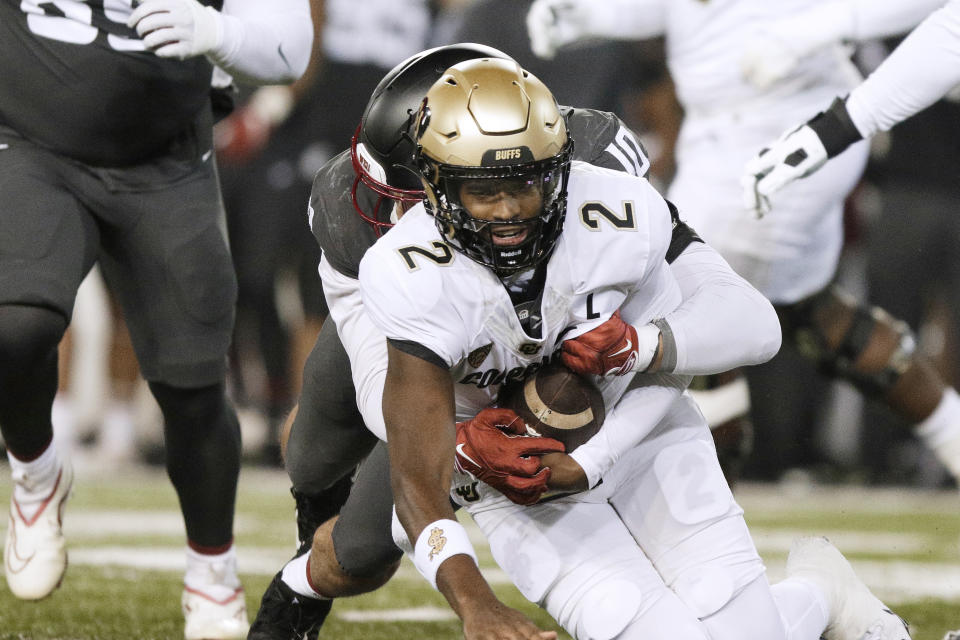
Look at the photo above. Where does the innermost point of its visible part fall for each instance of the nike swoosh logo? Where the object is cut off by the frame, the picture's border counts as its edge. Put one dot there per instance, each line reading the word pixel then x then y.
pixel 461 452
pixel 13 554
pixel 282 57
pixel 627 348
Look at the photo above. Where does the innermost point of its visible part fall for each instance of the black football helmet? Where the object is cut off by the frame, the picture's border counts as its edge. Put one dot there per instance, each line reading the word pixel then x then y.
pixel 382 149
pixel 489 119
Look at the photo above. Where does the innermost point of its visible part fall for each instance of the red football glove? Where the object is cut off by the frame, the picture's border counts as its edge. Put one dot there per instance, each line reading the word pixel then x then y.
pixel 609 349
pixel 493 448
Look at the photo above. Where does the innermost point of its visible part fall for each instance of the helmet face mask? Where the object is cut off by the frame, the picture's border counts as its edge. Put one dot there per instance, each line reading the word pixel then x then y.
pixel 536 192
pixel 391 201
pixel 490 127
pixel 382 149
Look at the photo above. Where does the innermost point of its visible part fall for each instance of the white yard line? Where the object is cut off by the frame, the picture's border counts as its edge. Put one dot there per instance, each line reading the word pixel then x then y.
pixel 896 580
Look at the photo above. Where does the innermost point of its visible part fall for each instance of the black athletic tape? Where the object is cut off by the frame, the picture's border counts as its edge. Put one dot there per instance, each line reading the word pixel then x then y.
pixel 835 128
pixel 682 236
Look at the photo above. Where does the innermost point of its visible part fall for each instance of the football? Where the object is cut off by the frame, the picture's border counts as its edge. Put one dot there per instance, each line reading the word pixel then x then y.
pixel 557 403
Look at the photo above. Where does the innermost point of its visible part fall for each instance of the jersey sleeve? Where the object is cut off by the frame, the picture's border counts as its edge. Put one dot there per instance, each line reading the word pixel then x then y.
pixel 265 42
pixel 641 408
pixel 919 72
pixel 410 308
pixel 723 321
pixel 342 234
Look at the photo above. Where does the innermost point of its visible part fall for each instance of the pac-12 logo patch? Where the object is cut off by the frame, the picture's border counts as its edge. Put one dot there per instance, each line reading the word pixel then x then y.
pixel 477 356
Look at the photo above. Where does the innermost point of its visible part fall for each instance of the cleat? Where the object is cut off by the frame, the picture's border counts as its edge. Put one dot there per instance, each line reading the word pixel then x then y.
pixel 35 553
pixel 286 615
pixel 855 613
pixel 217 612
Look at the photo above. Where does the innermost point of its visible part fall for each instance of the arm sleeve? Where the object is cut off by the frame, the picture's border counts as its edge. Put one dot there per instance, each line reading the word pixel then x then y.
pixel 627 19
pixel 919 72
pixel 869 19
pixel 646 401
pixel 265 42
pixel 723 321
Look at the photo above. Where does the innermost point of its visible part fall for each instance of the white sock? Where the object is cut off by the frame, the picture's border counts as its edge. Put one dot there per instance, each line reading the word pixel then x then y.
pixel 295 577
pixel 34 481
pixel 941 431
pixel 213 574
pixel 803 608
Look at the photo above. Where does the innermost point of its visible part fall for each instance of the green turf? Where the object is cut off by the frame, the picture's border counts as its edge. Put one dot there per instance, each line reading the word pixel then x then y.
pixel 107 603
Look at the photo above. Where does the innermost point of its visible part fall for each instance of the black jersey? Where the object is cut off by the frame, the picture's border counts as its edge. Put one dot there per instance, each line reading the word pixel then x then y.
pixel 599 137
pixel 77 80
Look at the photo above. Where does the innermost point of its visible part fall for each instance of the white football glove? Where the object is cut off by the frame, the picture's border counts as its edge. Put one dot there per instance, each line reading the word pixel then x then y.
pixel 552 24
pixel 778 45
pixel 796 154
pixel 767 59
pixel 177 28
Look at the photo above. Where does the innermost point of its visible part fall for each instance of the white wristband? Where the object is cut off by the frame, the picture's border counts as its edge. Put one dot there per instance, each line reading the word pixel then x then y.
pixel 438 541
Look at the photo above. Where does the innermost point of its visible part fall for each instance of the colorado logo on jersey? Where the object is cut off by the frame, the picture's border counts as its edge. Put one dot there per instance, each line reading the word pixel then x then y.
pixel 495 377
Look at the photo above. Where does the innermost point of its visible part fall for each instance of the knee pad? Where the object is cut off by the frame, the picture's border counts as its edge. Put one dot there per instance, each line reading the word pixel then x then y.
pixel 804 323
pixel 28 334
pixel 706 590
pixel 607 610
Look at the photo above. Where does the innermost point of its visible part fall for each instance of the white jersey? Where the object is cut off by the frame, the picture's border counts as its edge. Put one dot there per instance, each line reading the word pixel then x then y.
pixel 610 256
pixel 919 72
pixel 704 47
pixel 793 252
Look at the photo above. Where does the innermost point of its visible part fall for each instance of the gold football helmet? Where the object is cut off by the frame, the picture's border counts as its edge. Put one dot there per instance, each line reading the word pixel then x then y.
pixel 488 119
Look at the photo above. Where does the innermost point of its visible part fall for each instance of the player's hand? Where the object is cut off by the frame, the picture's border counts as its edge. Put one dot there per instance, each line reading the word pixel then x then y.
pixel 778 45
pixel 499 622
pixel 177 28
pixel 241 135
pixel 612 348
pixel 552 24
pixel 494 448
pixel 796 154
pixel 767 58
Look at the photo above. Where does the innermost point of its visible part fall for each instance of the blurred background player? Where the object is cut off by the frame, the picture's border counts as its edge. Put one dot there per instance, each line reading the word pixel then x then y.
pixel 917 73
pixel 791 255
pixel 106 138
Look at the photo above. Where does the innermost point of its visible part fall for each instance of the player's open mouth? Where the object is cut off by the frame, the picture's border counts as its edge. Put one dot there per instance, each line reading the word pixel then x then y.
pixel 509 237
